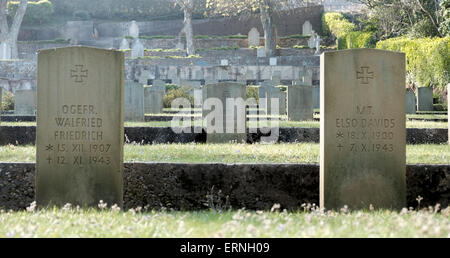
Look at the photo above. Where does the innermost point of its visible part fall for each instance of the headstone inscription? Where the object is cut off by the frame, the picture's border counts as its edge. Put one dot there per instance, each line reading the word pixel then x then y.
pixel 134 102
pixel 425 99
pixel 80 134
pixel 363 140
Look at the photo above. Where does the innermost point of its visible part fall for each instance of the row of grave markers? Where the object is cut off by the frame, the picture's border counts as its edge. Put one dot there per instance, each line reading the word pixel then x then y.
pixel 81 111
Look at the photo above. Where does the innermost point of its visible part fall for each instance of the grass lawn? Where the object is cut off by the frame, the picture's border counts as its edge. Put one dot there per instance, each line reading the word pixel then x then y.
pixel 70 222
pixel 305 124
pixel 234 153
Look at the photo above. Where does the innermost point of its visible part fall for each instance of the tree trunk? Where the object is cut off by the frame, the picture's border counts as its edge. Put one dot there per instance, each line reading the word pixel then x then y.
pixel 189 31
pixel 270 30
pixel 9 35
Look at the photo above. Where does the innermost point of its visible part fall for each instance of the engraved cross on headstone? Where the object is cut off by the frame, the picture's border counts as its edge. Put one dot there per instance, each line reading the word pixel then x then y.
pixel 364 75
pixel 79 73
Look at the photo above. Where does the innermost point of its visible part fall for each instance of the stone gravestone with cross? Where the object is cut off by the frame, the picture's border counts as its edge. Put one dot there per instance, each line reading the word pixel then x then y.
pixel 224 112
pixel 134 102
pixel 80 134
pixel 153 97
pixel 363 134
pixel 25 102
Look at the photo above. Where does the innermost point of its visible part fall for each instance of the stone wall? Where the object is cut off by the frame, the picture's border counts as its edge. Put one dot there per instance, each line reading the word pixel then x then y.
pixel 250 186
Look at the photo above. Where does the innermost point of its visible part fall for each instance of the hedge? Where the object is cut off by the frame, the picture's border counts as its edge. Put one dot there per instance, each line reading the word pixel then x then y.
pixel 356 39
pixel 127 9
pixel 37 12
pixel 427 59
pixel 336 24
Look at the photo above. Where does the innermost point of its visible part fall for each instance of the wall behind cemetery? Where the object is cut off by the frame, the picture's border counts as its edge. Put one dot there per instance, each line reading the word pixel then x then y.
pixel 288 24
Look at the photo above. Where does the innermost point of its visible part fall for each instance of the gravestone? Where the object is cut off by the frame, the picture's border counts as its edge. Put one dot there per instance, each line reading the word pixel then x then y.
pixel 275 94
pixel 261 52
pixel 133 31
pixel 300 102
pixel 137 49
pixel 425 99
pixel 153 97
pixel 25 102
pixel 273 61
pixel 276 78
pixel 316 96
pixel 5 51
pixel 80 132
pixel 410 102
pixel 253 37
pixel 124 44
pixel 134 102
pixel 362 139
pixel 1 99
pixel 224 121
pixel 307 28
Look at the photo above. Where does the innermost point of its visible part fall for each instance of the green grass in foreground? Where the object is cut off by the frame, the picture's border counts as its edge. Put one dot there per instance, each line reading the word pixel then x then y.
pixel 69 222
pixel 234 153
pixel 305 124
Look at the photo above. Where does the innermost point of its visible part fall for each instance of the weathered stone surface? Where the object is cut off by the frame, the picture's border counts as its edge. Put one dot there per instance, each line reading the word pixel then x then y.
pixel 410 102
pixel 224 112
pixel 363 139
pixel 134 102
pixel 300 102
pixel 425 99
pixel 250 186
pixel 133 31
pixel 80 131
pixel 307 28
pixel 137 49
pixel 254 37
pixel 153 97
pixel 25 102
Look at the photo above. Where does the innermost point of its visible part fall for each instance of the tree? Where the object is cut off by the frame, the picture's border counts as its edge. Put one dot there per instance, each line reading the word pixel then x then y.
pixel 416 18
pixel 267 9
pixel 9 34
pixel 187 6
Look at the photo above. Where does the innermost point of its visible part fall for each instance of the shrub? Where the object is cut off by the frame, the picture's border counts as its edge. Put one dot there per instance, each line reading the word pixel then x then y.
pixel 175 93
pixel 37 12
pixel 427 59
pixel 8 101
pixel 356 39
pixel 252 92
pixel 335 24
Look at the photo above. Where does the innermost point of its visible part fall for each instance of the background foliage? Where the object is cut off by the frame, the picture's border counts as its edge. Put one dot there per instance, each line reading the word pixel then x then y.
pixel 427 59
pixel 37 12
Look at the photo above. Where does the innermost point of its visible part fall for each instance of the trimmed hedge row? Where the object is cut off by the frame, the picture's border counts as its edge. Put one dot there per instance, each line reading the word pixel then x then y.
pixel 37 12
pixel 427 59
pixel 356 39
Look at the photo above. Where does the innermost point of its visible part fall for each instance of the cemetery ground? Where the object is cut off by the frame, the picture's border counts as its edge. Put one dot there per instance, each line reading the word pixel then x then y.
pixel 307 222
pixel 234 153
